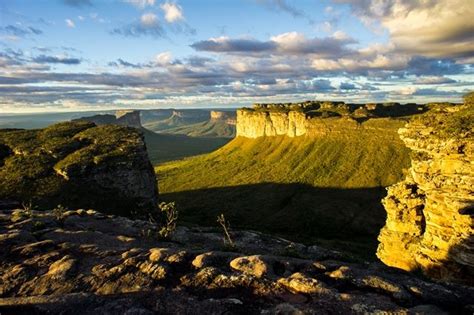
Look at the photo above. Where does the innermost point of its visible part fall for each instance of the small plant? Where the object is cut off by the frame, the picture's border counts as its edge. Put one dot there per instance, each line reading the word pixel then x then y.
pixel 226 227
pixel 28 208
pixel 37 226
pixel 170 214
pixel 58 214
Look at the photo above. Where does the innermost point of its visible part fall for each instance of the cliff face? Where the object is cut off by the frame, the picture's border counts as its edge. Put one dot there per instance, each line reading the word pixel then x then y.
pixel 129 118
pixel 78 165
pixel 430 214
pixel 255 124
pixel 258 124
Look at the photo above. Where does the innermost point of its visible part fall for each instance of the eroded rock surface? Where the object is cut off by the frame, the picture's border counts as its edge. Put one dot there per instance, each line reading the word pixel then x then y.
pixel 430 217
pixel 92 263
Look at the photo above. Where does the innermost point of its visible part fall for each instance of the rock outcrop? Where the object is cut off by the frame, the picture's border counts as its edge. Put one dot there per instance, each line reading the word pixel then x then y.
pixel 90 263
pixel 78 164
pixel 129 118
pixel 295 123
pixel 430 216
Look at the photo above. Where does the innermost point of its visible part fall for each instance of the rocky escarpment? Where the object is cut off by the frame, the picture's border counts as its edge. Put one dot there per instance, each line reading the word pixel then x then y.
pixel 85 262
pixel 227 117
pixel 130 118
pixel 322 118
pixel 78 164
pixel 430 217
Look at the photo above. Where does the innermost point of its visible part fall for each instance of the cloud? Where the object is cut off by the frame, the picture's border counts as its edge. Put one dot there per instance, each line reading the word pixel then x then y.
pixel 77 3
pixel 122 63
pixel 173 12
pixel 440 29
pixel 148 25
pixel 70 23
pixel 283 5
pixel 291 43
pixel 56 59
pixel 149 19
pixel 20 30
pixel 141 4
pixel 347 86
pixel 434 80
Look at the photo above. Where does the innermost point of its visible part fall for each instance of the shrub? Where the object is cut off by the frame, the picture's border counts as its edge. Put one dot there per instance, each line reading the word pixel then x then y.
pixel 225 227
pixel 170 219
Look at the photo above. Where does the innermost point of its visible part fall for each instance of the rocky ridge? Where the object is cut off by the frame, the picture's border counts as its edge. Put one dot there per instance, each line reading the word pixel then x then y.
pixel 78 164
pixel 130 118
pixel 430 217
pixel 85 262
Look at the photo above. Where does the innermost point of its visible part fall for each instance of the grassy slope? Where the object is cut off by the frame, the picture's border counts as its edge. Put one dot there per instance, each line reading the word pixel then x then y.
pixel 208 128
pixel 303 188
pixel 162 147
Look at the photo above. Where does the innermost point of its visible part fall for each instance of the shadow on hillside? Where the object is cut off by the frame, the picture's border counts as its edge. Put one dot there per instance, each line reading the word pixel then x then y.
pixel 297 211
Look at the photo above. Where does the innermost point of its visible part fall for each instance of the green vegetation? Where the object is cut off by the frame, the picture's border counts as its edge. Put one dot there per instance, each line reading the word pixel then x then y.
pixel 303 188
pixel 450 121
pixel 62 164
pixel 164 147
pixel 208 129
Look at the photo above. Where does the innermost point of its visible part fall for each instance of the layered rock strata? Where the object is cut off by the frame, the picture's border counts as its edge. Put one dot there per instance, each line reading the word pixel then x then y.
pixel 430 216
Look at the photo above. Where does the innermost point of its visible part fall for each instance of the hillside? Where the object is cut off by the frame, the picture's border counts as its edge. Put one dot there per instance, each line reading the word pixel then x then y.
pixel 306 187
pixel 178 118
pixel 168 147
pixel 78 164
pixel 220 124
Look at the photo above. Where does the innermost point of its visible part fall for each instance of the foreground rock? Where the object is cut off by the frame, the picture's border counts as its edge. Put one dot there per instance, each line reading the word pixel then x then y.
pixel 430 215
pixel 90 263
pixel 77 165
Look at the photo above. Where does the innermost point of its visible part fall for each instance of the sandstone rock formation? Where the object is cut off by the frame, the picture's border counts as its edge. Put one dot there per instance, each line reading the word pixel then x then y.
pixel 227 117
pixel 91 263
pixel 130 118
pixel 430 217
pixel 78 164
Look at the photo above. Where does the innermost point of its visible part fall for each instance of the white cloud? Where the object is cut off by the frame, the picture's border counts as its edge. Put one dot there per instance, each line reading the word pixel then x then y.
pixel 70 23
pixel 173 12
pixel 163 58
pixel 443 28
pixel 141 4
pixel 149 19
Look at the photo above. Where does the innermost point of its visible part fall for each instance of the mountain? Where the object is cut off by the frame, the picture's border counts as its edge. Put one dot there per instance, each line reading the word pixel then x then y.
pixel 307 171
pixel 220 124
pixel 178 118
pixel 78 164
pixel 129 118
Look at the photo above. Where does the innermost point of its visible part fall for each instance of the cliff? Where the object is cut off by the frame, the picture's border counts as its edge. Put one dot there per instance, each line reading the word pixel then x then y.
pixel 130 118
pixel 87 262
pixel 294 123
pixel 78 164
pixel 430 215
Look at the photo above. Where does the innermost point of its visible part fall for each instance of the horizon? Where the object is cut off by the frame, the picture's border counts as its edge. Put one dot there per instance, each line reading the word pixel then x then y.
pixel 97 55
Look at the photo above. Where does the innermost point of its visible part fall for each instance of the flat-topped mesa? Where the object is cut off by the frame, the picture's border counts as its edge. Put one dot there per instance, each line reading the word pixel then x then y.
pixel 313 118
pixel 129 118
pixel 78 165
pixel 430 215
pixel 191 113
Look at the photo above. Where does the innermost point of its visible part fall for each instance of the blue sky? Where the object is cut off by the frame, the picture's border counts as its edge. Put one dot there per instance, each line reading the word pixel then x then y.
pixel 69 55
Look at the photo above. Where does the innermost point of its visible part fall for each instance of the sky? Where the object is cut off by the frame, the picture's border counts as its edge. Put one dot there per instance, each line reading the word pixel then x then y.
pixel 74 55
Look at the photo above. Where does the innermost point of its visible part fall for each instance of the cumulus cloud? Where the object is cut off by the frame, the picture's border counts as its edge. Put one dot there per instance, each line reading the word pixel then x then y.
pixel 173 12
pixel 442 28
pixel 56 59
pixel 286 43
pixel 70 23
pixel 149 19
pixel 434 80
